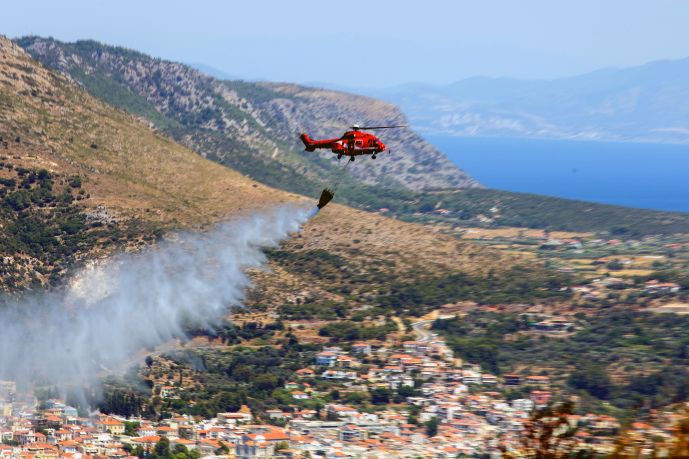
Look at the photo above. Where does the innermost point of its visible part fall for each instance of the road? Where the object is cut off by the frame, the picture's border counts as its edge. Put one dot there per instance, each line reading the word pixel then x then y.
pixel 421 328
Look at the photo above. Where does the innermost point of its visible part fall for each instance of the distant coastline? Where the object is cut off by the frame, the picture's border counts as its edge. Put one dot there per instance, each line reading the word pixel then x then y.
pixel 429 133
pixel 645 175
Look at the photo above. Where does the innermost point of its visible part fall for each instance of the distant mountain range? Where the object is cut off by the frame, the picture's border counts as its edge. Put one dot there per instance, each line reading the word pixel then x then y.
pixel 648 103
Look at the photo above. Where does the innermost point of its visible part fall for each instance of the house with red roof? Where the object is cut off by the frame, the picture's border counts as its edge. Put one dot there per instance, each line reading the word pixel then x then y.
pixel 305 373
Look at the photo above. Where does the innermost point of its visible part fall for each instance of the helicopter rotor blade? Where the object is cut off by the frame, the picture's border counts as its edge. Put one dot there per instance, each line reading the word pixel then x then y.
pixel 379 127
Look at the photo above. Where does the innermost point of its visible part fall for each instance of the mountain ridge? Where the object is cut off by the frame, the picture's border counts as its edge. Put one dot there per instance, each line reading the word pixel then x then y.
pixel 250 126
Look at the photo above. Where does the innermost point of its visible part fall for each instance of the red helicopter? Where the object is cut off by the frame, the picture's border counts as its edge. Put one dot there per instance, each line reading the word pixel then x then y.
pixel 352 143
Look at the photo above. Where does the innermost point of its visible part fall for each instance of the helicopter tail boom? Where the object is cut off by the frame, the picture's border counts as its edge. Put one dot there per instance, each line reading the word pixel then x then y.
pixel 311 144
pixel 308 143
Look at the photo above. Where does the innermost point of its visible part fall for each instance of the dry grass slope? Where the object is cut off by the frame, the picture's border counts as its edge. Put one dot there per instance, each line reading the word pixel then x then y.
pixel 137 173
pixel 129 167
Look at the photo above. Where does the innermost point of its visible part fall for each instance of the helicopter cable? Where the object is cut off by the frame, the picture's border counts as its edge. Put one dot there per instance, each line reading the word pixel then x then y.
pixel 328 193
pixel 341 175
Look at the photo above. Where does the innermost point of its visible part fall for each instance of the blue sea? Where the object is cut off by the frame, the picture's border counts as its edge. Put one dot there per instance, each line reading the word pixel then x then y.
pixel 652 176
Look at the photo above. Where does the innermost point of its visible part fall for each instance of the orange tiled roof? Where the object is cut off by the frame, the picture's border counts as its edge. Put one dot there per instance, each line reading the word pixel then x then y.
pixel 148 439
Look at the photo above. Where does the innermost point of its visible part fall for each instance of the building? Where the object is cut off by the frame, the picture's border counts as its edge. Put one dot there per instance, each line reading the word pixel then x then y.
pixel 305 373
pixel 299 395
pixel 261 442
pixel 111 425
pixel 537 380
pixel 512 380
pixel 167 392
pixel 656 287
pixel 541 398
pixel 361 348
pixel 326 359
pixel 523 404
pixel 351 432
pixel 243 416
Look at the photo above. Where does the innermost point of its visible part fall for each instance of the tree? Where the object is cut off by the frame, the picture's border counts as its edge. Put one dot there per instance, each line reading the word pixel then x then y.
pixel 75 181
pixel 162 448
pixel 432 427
pixel 355 397
pixel 593 379
pixel 548 435
pixel 229 401
pixel 380 396
pixel 265 382
pixel 414 411
pixel 224 449
pixel 130 428
pixel 406 391
pixel 614 265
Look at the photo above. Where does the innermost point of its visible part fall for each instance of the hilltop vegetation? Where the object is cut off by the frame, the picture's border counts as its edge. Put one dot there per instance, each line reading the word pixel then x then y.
pixel 40 224
pixel 360 298
pixel 80 178
pixel 246 376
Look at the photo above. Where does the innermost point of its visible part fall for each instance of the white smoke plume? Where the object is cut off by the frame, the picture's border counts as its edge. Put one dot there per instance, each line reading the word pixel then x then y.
pixel 135 301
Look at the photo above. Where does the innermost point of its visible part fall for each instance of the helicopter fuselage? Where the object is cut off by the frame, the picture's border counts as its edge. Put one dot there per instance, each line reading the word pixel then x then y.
pixel 352 143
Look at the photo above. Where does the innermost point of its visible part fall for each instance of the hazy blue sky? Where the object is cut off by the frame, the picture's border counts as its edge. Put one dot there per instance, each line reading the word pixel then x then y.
pixel 374 42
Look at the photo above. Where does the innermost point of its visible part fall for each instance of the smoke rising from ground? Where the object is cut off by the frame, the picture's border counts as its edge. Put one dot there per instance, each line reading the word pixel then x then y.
pixel 136 301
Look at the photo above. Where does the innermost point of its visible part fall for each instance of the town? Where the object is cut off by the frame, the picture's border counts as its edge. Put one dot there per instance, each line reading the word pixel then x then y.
pixel 443 408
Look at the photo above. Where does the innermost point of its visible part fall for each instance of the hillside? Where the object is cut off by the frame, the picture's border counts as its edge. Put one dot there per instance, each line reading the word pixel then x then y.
pixel 251 127
pixel 496 208
pixel 137 184
pixel 647 103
